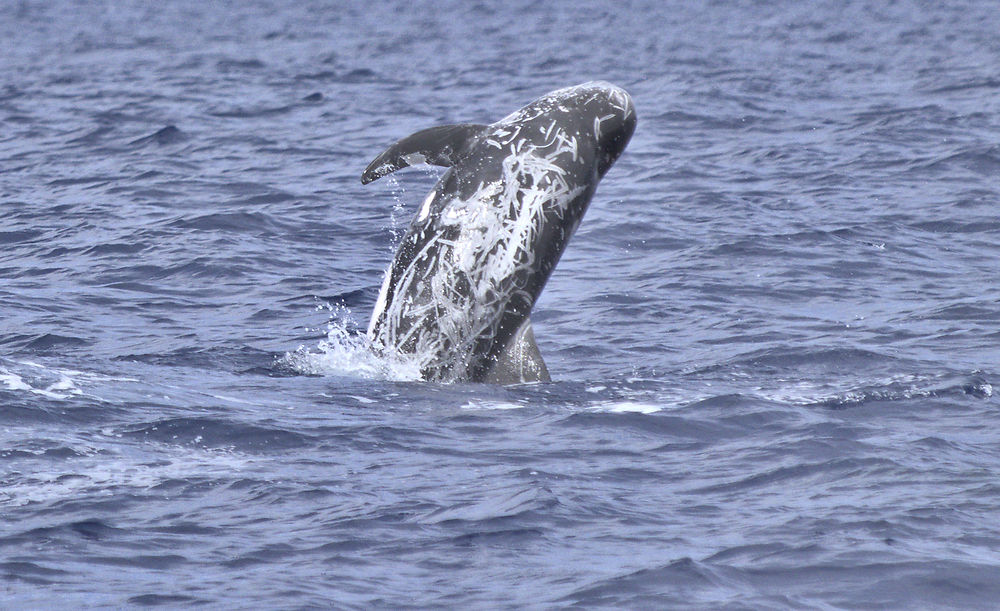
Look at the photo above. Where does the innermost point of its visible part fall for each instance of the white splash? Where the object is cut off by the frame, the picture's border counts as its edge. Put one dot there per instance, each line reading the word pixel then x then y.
pixel 93 474
pixel 485 405
pixel 52 383
pixel 344 352
pixel 860 390
pixel 623 407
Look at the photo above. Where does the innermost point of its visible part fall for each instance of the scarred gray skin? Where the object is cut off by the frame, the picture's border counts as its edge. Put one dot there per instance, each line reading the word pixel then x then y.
pixel 458 295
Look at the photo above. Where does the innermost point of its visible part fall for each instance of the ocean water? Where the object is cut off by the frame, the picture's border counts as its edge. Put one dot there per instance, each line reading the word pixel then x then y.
pixel 774 339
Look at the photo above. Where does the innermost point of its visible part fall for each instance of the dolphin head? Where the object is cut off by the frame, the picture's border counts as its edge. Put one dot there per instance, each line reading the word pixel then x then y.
pixel 607 113
pixel 616 132
pixel 596 115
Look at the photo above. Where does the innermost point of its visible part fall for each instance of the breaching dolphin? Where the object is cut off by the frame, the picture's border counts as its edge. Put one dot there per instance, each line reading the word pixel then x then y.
pixel 458 294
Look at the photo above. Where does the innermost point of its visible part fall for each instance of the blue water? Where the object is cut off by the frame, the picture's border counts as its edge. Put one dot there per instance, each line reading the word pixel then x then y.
pixel 774 339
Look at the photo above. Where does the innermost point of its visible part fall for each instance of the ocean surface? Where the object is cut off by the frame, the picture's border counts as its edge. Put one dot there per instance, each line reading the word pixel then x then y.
pixel 774 340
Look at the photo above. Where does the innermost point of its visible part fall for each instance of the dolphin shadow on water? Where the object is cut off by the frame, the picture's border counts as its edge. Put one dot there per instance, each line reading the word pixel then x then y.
pixel 458 294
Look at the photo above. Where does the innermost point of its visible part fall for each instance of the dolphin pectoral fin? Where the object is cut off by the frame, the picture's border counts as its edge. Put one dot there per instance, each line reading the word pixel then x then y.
pixel 520 360
pixel 441 145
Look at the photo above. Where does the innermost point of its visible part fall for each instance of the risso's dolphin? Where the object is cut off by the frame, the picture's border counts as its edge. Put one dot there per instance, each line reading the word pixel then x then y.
pixel 458 295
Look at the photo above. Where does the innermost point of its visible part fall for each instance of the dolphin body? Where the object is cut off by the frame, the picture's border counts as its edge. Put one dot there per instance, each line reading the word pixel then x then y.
pixel 458 295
